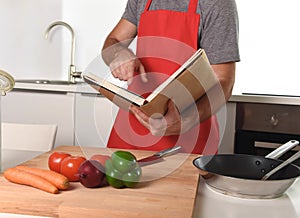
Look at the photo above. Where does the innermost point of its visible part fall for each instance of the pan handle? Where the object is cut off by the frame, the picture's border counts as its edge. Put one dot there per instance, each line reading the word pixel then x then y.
pixel 282 149
pixel 280 166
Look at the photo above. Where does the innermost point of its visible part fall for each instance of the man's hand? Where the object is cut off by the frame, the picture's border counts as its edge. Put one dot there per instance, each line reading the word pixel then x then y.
pixel 116 54
pixel 171 124
pixel 125 64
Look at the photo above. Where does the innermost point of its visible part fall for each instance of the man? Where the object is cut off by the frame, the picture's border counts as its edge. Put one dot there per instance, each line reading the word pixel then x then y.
pixel 168 26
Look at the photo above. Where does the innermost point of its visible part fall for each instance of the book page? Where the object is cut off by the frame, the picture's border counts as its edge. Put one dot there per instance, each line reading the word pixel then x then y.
pixel 100 84
pixel 187 87
pixel 181 69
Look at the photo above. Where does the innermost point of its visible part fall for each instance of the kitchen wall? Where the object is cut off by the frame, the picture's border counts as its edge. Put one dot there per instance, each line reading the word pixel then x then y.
pixel 269 46
pixel 92 20
pixel 269 40
pixel 26 54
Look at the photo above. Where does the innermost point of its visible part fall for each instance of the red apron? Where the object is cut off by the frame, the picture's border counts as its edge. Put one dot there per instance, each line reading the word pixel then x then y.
pixel 166 39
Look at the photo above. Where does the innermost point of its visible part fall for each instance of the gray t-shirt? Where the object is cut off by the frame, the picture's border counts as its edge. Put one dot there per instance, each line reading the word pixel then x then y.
pixel 218 30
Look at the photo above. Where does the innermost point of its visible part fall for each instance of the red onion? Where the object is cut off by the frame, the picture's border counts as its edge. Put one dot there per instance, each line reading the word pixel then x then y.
pixel 91 173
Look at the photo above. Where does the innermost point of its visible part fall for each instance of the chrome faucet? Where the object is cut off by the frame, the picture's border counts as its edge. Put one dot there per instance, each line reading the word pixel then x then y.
pixel 72 69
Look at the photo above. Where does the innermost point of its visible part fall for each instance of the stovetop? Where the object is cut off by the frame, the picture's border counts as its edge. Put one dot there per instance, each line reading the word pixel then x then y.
pixel 268 94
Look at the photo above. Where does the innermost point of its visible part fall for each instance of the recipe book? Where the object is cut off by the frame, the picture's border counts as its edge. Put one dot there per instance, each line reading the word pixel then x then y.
pixel 185 86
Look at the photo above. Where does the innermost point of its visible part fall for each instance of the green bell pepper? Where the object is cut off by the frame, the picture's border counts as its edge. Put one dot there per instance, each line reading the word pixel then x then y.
pixel 122 170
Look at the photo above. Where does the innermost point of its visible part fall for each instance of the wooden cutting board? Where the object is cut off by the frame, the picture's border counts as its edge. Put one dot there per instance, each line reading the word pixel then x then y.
pixel 169 190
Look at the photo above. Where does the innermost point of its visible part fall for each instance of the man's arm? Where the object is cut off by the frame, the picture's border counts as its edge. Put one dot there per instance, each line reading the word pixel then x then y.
pixel 115 53
pixel 174 123
pixel 219 95
pixel 119 38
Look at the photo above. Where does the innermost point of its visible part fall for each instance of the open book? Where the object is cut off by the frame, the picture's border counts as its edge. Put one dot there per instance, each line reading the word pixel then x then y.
pixel 185 86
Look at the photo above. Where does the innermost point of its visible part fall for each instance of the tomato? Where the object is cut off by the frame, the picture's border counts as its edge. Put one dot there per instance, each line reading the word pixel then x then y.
pixel 55 159
pixel 69 167
pixel 123 161
pixel 100 158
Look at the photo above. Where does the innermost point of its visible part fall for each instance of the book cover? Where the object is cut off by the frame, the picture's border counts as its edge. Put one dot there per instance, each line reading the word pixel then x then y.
pixel 185 86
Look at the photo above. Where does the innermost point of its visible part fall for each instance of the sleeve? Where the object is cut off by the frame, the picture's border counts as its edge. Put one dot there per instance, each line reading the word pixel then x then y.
pixel 130 13
pixel 219 37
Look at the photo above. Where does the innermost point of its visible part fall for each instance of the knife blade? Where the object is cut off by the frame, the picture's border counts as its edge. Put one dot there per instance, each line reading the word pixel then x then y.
pixel 158 157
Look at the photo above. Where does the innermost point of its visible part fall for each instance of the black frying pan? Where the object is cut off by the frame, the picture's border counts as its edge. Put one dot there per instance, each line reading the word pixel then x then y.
pixel 240 174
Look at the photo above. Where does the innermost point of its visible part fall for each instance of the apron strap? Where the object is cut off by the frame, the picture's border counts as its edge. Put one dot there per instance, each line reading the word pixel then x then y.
pixel 192 6
pixel 147 5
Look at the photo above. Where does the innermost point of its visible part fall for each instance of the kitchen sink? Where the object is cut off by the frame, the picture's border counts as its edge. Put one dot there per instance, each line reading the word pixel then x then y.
pixel 50 82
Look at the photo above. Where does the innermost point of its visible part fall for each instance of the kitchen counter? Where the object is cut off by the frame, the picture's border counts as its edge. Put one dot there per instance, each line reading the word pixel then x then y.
pixel 12 157
pixel 269 99
pixel 169 190
pixel 73 88
pixel 211 204
pixel 236 97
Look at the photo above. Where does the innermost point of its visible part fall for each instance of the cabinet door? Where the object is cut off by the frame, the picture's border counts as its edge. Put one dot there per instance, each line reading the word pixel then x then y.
pixel 226 119
pixel 41 107
pixel 94 118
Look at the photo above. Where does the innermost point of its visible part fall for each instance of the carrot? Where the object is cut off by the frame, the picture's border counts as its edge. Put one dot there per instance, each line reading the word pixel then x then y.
pixel 57 179
pixel 24 178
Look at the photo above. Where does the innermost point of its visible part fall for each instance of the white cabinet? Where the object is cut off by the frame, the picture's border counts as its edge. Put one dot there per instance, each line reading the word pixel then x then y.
pixel 34 106
pixel 94 117
pixel 83 117
pixel 226 118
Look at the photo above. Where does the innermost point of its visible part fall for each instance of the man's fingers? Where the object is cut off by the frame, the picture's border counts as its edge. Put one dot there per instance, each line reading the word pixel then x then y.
pixel 172 107
pixel 143 73
pixel 140 116
pixel 158 126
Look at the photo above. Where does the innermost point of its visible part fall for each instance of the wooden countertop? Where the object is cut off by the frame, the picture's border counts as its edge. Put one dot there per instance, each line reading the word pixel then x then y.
pixel 169 190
